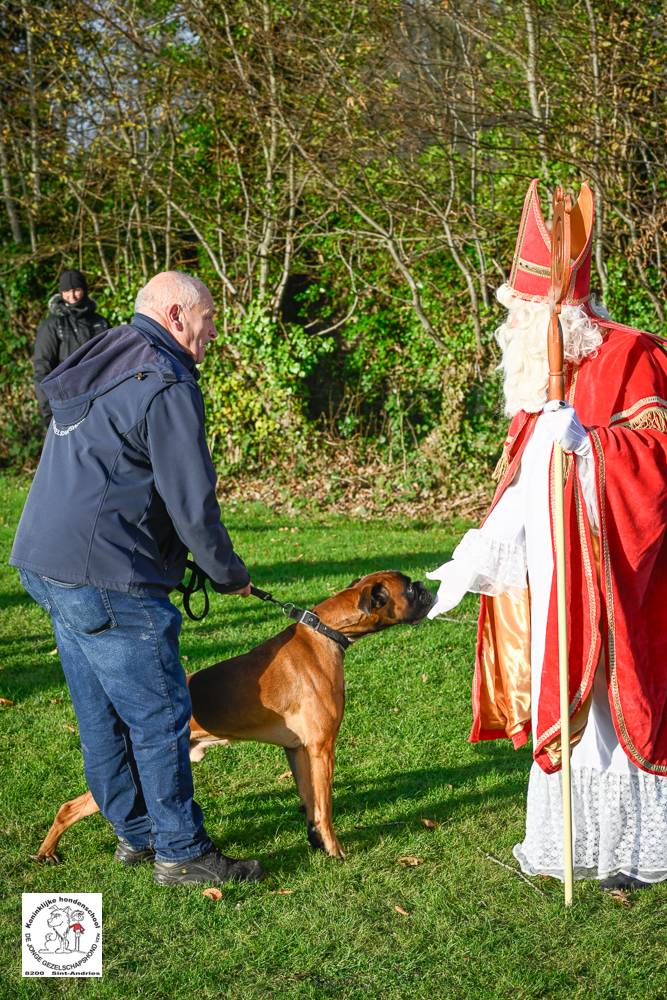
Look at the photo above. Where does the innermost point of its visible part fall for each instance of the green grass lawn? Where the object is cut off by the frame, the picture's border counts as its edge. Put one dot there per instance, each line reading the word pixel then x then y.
pixel 472 928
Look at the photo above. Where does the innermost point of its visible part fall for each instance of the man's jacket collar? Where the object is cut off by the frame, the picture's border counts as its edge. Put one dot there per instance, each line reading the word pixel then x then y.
pixel 159 335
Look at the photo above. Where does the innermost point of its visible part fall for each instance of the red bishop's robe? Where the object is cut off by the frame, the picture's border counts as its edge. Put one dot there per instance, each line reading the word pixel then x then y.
pixel 616 584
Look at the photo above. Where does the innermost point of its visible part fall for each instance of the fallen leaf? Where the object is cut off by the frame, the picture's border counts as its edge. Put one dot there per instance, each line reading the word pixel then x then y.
pixel 284 776
pixel 6 701
pixel 410 861
pixel 430 824
pixel 213 894
pixel 620 896
pixel 71 729
pixel 424 678
pixel 281 892
pixel 399 909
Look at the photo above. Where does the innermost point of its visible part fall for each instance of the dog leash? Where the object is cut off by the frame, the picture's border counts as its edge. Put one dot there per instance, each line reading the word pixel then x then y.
pixel 196 582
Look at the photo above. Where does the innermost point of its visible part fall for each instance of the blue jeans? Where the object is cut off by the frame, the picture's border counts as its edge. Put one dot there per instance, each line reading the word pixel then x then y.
pixel 119 653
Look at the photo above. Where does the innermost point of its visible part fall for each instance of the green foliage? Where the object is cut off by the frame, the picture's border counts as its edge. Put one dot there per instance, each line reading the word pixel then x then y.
pixel 631 302
pixel 255 388
pixel 354 167
pixel 20 423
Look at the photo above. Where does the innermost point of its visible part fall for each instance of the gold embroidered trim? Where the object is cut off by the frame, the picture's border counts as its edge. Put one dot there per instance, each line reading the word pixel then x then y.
pixel 573 385
pixel 519 242
pixel 511 468
pixel 653 404
pixel 638 757
pixel 590 583
pixel 539 269
pixel 531 297
pixel 539 219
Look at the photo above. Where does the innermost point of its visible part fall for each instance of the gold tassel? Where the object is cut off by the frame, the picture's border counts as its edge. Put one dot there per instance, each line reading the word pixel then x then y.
pixel 653 419
pixel 502 465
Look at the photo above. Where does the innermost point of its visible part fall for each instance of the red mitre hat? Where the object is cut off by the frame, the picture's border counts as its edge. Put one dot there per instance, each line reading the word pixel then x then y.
pixel 531 267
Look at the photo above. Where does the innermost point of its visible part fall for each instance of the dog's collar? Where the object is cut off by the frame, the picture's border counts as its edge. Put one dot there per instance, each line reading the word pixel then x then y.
pixel 303 617
pixel 309 618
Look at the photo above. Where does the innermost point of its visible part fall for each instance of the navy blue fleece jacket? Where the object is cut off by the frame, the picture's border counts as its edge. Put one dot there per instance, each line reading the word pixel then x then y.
pixel 126 485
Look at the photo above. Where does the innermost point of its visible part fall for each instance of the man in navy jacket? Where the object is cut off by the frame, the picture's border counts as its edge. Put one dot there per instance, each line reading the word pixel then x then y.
pixel 124 488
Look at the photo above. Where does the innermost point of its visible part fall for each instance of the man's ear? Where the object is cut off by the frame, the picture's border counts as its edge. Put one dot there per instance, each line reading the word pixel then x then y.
pixel 373 596
pixel 174 314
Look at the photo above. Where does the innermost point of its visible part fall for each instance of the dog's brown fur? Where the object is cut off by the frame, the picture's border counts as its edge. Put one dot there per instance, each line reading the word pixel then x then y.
pixel 289 691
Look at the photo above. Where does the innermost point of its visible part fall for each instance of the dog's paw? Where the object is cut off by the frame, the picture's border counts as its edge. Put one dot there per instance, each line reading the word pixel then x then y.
pixel 47 859
pixel 314 838
pixel 336 851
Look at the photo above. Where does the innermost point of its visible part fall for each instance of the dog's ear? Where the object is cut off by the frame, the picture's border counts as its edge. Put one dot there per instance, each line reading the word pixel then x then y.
pixel 356 580
pixel 373 596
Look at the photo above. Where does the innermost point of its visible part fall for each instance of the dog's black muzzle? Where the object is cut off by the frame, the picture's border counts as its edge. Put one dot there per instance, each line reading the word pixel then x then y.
pixel 423 600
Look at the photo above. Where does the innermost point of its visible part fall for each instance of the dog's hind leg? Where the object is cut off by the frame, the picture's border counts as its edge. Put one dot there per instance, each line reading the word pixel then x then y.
pixel 321 759
pixel 68 814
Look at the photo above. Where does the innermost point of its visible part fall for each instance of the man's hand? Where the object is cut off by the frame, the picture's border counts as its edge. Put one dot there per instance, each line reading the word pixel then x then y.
pixel 566 428
pixel 221 588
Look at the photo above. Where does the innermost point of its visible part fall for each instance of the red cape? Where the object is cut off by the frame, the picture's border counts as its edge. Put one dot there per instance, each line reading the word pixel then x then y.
pixel 617 598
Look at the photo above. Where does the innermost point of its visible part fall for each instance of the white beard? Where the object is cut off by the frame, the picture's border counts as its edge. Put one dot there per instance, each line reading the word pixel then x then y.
pixel 523 341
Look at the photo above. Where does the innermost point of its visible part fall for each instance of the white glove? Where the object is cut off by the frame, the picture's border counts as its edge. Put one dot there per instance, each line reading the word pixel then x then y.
pixel 564 427
pixel 455 579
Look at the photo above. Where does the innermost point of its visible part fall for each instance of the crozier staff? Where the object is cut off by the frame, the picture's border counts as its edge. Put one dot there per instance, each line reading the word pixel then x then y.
pixel 615 509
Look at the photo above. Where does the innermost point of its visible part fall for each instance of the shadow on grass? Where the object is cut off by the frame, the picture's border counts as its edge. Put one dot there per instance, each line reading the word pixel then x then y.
pixel 406 795
pixel 15 600
pixel 253 819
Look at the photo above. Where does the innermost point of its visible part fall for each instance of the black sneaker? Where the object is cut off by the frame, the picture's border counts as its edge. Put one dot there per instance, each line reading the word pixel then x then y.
pixel 621 881
pixel 128 855
pixel 210 867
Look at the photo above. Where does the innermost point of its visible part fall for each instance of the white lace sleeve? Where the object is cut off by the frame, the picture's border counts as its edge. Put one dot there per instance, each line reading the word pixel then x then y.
pixel 498 563
pixel 488 560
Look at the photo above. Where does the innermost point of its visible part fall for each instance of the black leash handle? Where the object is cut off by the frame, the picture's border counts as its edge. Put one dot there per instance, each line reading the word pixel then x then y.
pixel 192 585
pixel 263 595
pixel 197 581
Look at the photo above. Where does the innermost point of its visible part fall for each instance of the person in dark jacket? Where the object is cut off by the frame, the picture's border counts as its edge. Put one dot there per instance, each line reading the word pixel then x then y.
pixel 73 319
pixel 124 487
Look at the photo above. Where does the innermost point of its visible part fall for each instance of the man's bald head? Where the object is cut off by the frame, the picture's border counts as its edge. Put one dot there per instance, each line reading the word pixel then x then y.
pixel 184 306
pixel 167 288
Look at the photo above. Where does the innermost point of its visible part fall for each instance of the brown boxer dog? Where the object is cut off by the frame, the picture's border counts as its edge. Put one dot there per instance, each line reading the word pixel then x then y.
pixel 289 690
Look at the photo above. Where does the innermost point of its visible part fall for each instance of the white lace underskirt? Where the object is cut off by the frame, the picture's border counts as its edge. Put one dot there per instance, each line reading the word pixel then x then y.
pixel 619 825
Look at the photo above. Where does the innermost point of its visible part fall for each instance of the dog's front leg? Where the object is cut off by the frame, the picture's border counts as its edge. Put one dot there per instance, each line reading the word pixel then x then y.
pixel 297 758
pixel 321 759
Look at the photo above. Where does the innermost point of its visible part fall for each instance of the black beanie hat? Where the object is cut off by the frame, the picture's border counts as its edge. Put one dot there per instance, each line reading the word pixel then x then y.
pixel 72 279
